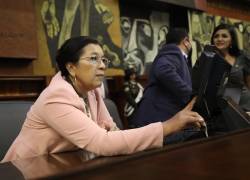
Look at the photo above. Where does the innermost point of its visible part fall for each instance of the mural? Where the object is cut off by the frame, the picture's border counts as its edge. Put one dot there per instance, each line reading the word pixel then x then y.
pixel 246 36
pixel 141 39
pixel 201 26
pixel 99 19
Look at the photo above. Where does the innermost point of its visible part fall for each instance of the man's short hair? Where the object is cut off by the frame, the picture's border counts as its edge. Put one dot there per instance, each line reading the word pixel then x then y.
pixel 176 35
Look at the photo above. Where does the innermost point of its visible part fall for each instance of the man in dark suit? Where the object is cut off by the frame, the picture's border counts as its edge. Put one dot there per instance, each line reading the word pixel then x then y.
pixel 170 87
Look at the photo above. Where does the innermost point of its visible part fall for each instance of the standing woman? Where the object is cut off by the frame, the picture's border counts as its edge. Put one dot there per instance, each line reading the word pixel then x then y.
pixel 70 113
pixel 224 38
pixel 229 76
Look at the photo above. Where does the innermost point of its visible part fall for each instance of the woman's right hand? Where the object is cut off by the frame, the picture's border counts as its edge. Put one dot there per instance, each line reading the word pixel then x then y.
pixel 182 119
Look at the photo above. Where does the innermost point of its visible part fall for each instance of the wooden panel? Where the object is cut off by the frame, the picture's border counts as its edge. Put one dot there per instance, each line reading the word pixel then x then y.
pixel 234 9
pixel 12 66
pixel 21 87
pixel 18 29
pixel 194 4
pixel 222 157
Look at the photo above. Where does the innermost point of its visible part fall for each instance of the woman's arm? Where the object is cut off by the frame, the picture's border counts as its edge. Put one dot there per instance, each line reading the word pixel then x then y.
pixel 62 113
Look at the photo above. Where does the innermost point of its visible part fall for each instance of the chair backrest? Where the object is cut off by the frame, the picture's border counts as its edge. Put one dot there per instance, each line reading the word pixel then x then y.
pixel 12 116
pixel 113 111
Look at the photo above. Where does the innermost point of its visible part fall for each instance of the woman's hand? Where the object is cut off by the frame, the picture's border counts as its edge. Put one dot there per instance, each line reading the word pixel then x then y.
pixel 182 119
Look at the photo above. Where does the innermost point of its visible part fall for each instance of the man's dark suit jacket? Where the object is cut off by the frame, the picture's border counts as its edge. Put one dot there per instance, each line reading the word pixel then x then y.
pixel 169 88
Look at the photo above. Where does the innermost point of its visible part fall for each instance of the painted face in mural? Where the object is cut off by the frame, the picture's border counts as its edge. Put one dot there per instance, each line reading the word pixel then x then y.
pixel 162 36
pixel 141 40
pixel 137 38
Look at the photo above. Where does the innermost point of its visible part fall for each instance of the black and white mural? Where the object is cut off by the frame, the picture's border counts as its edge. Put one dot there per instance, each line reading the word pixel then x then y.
pixel 142 36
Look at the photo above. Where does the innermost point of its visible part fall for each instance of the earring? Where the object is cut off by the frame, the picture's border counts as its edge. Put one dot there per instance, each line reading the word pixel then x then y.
pixel 74 79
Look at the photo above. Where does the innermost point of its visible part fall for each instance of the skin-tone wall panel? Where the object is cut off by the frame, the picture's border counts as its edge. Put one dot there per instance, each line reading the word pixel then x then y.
pixel 17 33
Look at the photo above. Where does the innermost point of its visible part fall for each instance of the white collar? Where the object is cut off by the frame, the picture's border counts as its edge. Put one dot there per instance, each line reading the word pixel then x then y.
pixel 184 54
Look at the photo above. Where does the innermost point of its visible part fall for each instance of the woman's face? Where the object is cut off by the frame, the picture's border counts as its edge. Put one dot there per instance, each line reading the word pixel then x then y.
pixel 222 39
pixel 89 71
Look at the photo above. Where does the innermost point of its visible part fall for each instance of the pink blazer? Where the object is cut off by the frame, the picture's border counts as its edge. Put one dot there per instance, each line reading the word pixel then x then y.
pixel 57 122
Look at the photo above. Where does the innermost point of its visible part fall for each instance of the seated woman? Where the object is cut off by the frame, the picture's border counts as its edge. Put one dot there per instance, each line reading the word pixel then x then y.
pixel 70 113
pixel 230 76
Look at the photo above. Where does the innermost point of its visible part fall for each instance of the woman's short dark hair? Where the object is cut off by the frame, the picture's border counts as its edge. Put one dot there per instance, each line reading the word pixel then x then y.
pixel 71 50
pixel 234 48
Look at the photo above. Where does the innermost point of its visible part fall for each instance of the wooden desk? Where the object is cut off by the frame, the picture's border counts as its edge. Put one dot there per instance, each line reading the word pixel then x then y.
pixel 225 157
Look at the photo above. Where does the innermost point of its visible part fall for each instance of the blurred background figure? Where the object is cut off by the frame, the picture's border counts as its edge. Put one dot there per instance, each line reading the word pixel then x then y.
pixel 133 91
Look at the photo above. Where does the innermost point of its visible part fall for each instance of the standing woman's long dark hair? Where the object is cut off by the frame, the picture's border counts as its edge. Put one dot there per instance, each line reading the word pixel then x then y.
pixel 234 48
